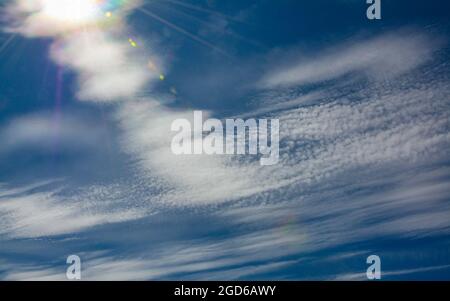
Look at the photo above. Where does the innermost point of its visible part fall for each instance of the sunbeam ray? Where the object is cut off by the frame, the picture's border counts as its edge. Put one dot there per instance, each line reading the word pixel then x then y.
pixel 6 43
pixel 183 31
pixel 203 10
pixel 207 24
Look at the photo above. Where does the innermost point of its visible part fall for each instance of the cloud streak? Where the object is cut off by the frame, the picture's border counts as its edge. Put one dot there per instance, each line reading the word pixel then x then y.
pixel 380 57
pixel 38 211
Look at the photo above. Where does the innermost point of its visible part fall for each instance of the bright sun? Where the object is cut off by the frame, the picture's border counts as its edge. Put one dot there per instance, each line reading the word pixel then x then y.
pixel 74 11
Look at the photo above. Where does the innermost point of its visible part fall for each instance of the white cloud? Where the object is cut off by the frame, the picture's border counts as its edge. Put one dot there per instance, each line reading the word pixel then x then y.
pixel 106 67
pixel 47 213
pixel 196 179
pixel 384 56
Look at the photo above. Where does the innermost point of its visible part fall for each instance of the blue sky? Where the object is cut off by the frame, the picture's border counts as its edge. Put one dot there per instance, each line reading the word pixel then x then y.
pixel 86 166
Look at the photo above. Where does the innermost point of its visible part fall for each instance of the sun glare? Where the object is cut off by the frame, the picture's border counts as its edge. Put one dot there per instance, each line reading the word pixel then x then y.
pixel 78 11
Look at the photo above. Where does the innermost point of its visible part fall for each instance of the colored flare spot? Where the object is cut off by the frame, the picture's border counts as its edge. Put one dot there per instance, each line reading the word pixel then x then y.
pixel 132 43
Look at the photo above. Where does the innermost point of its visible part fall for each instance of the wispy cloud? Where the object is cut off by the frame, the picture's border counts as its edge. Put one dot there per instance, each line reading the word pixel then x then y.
pixel 42 211
pixel 42 131
pixel 106 67
pixel 380 57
